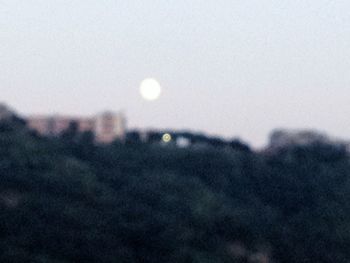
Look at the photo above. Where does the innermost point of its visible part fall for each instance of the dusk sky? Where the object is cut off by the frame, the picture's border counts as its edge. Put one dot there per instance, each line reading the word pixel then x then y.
pixel 226 67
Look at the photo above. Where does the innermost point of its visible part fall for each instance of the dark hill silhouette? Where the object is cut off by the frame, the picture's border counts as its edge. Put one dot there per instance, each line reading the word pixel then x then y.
pixel 68 200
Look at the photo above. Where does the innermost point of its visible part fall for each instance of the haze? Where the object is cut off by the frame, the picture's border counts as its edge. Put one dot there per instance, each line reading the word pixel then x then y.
pixel 230 68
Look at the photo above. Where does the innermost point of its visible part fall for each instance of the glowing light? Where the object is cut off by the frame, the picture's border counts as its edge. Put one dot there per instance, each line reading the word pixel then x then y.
pixel 150 89
pixel 183 142
pixel 166 138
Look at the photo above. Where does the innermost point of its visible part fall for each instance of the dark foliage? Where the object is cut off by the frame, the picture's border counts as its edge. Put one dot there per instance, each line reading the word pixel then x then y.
pixel 66 200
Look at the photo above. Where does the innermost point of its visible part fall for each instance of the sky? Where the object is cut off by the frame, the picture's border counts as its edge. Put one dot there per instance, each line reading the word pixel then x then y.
pixel 227 67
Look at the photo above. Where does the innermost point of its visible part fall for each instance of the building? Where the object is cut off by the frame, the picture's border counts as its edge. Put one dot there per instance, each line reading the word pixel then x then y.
pixel 107 126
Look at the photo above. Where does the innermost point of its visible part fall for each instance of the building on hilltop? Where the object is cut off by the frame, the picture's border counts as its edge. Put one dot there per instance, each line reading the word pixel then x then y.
pixel 106 126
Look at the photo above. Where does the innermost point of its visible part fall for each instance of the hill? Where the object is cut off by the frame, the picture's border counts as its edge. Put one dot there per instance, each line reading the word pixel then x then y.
pixel 67 200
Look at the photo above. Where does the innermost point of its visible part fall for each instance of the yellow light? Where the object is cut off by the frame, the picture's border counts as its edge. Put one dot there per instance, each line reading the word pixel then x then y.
pixel 166 138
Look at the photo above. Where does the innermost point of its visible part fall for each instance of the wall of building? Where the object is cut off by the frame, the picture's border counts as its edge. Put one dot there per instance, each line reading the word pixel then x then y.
pixel 106 126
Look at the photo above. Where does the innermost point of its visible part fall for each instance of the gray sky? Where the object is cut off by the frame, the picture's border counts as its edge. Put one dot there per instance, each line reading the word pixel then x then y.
pixel 227 67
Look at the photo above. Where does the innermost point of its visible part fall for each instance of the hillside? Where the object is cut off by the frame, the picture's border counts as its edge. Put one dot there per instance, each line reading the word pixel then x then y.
pixel 67 200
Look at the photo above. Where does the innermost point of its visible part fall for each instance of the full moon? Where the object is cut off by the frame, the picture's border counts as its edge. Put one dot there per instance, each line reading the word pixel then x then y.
pixel 150 89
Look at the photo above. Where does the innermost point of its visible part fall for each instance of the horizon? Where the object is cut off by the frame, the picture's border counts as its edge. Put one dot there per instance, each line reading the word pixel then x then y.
pixel 227 69
pixel 290 131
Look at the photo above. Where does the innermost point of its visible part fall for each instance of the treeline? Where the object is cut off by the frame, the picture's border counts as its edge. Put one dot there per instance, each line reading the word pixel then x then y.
pixel 68 200
pixel 184 139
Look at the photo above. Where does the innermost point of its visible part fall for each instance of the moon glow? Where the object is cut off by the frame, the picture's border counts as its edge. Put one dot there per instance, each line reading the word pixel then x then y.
pixel 150 89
